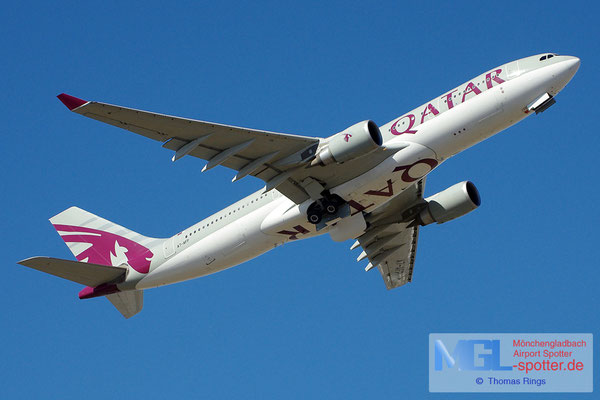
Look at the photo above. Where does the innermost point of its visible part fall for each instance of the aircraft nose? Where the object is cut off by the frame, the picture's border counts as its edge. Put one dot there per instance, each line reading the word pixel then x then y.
pixel 568 68
pixel 573 64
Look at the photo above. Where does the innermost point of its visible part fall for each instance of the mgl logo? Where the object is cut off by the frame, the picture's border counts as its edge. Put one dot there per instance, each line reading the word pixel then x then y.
pixel 467 358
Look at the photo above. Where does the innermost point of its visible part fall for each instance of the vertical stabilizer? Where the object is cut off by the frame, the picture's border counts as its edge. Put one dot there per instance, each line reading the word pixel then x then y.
pixel 128 303
pixel 95 240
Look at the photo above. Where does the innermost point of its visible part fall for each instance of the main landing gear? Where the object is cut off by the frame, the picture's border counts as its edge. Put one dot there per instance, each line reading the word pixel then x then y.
pixel 329 205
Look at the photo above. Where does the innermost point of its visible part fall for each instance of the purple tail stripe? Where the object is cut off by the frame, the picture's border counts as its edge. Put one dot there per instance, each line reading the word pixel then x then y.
pixel 101 290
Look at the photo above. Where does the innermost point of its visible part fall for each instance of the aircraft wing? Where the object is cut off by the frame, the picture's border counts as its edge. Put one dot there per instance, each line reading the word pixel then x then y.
pixel 390 243
pixel 278 159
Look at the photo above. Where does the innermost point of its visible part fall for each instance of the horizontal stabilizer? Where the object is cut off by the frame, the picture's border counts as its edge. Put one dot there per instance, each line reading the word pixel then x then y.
pixel 76 271
pixel 128 303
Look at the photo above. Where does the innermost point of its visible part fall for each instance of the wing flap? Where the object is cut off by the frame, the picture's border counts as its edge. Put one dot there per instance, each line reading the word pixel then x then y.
pixel 76 271
pixel 397 268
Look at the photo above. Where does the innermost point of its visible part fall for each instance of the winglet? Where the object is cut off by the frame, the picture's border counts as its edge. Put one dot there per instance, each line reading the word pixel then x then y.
pixel 70 101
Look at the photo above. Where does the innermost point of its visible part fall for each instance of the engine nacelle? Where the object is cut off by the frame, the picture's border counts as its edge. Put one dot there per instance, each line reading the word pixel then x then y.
pixel 358 140
pixel 449 204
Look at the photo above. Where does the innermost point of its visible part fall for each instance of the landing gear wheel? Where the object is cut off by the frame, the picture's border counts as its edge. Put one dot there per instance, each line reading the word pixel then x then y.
pixel 332 204
pixel 315 212
pixel 331 208
pixel 314 217
pixel 327 206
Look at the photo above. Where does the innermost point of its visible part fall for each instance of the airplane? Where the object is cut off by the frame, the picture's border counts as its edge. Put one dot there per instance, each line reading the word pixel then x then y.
pixel 364 183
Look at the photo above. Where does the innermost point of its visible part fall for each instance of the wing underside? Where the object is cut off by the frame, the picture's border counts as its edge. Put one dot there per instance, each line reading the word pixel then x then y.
pixel 280 160
pixel 81 272
pixel 390 242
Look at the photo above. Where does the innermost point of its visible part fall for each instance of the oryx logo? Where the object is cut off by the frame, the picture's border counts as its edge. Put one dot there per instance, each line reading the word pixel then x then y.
pixel 470 355
pixel 105 248
pixel 347 137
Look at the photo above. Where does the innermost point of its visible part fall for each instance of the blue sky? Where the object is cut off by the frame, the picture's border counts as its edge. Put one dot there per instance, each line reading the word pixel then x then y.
pixel 304 320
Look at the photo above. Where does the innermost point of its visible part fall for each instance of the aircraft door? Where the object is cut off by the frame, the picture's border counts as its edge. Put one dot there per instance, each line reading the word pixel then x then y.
pixel 512 69
pixel 168 247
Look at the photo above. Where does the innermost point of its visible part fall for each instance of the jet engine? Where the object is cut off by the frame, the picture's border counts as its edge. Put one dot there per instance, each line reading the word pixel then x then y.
pixel 358 140
pixel 449 204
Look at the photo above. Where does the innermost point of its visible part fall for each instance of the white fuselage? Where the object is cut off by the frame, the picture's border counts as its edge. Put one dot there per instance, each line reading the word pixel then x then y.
pixel 435 131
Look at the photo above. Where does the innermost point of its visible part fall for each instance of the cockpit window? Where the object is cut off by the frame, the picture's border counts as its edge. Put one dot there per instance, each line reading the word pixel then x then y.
pixel 547 56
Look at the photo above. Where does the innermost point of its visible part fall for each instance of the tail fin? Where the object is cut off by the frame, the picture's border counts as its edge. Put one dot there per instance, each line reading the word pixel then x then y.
pixel 128 303
pixel 95 240
pixel 96 243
